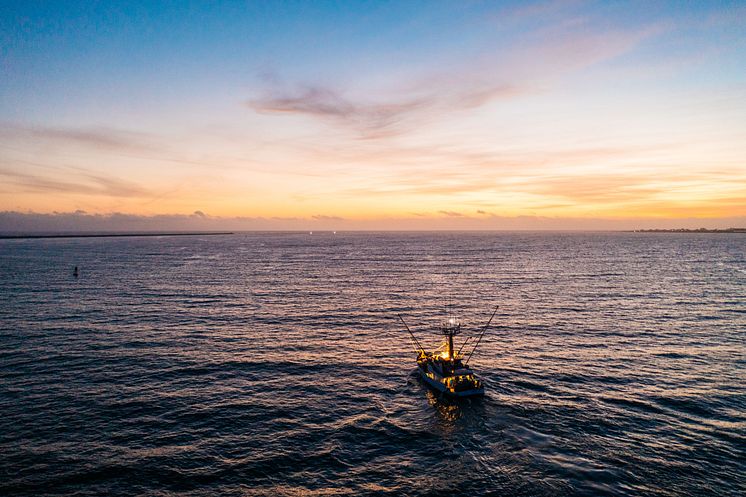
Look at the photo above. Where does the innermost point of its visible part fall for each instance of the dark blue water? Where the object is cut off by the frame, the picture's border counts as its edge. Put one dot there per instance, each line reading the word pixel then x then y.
pixel 272 364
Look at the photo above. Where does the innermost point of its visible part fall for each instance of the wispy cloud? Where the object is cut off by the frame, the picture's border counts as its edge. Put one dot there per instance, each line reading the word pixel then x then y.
pixel 369 119
pixel 443 170
pixel 641 188
pixel 508 73
pixel 101 138
pixel 389 116
pixel 88 183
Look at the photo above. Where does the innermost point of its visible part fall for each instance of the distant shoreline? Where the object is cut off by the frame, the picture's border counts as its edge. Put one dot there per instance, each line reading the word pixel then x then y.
pixel 32 236
pixel 699 230
pixel 111 235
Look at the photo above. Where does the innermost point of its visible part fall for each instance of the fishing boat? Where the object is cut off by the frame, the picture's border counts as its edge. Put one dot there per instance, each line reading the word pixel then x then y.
pixel 445 369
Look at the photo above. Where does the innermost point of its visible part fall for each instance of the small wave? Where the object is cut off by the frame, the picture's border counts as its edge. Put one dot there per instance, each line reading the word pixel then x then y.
pixel 696 407
pixel 636 404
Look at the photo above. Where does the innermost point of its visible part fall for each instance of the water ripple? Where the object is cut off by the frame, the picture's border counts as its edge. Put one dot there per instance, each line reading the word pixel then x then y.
pixel 273 364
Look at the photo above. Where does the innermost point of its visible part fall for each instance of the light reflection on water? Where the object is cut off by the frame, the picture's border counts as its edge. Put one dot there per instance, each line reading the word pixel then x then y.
pixel 274 364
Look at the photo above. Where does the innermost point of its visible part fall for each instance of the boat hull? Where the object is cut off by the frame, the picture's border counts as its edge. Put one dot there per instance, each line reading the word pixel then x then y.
pixel 440 387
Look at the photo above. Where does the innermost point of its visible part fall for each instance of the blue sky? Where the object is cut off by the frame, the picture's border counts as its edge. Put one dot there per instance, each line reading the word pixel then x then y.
pixel 375 112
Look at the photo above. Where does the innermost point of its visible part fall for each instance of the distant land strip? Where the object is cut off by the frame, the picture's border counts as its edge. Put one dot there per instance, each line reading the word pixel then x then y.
pixel 112 235
pixel 698 230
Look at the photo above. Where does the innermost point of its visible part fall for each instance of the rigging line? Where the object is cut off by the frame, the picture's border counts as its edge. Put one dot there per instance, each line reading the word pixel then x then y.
pixel 482 334
pixel 463 345
pixel 415 344
pixel 414 347
pixel 410 333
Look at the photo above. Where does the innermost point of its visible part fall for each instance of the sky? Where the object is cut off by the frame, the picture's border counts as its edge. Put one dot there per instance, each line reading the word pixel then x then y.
pixel 372 115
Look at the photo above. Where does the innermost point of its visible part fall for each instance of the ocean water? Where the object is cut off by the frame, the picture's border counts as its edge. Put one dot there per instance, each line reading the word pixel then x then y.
pixel 273 364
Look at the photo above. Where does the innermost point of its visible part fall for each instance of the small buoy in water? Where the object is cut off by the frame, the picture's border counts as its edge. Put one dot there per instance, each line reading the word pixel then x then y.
pixel 75 271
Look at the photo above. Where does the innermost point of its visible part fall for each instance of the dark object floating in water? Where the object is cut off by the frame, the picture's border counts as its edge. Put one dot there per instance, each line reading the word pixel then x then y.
pixel 75 272
pixel 444 369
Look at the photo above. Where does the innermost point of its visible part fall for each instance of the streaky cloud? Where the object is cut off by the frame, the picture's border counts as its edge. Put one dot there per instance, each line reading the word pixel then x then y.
pixel 368 119
pixel 101 138
pixel 389 116
pixel 546 54
pixel 88 184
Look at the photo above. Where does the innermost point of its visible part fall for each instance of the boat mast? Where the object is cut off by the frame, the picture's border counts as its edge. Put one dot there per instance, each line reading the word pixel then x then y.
pixel 450 328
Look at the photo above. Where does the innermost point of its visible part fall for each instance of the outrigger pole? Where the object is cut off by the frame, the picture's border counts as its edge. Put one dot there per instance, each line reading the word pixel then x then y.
pixel 411 334
pixel 482 334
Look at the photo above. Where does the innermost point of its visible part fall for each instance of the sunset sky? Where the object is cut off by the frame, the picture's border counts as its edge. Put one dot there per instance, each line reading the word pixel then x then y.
pixel 372 115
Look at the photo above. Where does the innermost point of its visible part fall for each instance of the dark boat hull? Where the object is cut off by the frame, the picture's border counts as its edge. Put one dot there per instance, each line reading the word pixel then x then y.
pixel 440 387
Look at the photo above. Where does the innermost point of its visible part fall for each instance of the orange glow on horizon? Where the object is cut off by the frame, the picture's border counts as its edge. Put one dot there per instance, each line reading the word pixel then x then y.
pixel 550 126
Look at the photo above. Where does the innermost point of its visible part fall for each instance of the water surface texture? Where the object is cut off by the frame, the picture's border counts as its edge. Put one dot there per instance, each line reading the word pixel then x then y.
pixel 273 364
